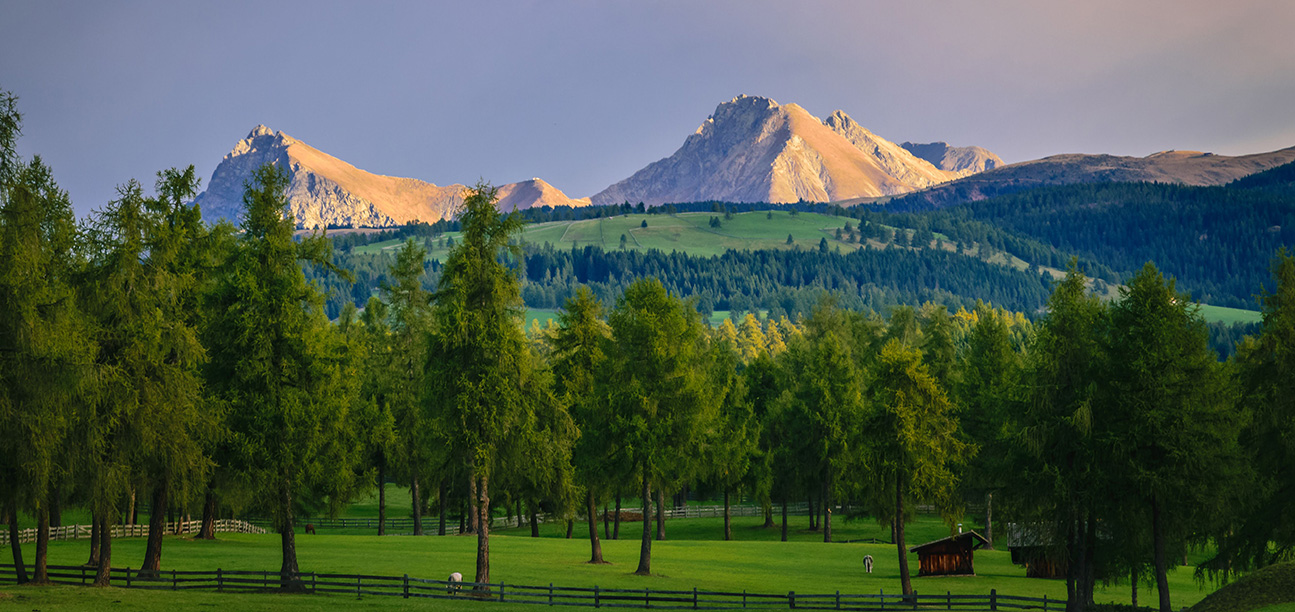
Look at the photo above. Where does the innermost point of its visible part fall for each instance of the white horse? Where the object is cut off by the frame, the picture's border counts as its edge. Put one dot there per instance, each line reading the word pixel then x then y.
pixel 456 583
pixel 867 563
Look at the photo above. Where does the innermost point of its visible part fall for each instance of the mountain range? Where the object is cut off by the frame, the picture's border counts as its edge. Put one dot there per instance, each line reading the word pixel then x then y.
pixel 751 149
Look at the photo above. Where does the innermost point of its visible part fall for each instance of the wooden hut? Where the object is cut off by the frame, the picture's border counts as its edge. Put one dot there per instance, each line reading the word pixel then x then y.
pixel 951 556
pixel 1032 546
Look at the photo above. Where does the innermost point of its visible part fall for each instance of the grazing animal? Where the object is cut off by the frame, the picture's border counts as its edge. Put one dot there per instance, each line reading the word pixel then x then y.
pixel 456 583
pixel 867 563
pixel 310 528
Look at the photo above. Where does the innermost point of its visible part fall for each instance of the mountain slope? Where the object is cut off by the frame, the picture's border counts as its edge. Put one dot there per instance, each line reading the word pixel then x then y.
pixel 1179 167
pixel 325 191
pixel 963 160
pixel 753 149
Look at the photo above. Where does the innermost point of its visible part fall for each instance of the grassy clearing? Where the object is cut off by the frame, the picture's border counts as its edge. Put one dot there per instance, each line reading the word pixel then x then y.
pixel 1230 316
pixel 754 562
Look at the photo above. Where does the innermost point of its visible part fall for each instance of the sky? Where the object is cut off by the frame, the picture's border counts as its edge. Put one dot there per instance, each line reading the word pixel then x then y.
pixel 584 93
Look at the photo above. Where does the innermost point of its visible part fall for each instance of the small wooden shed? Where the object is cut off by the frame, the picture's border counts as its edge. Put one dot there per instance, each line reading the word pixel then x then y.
pixel 951 556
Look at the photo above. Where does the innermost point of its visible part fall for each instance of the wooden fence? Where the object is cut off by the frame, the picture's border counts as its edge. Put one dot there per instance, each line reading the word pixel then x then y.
pixel 76 532
pixel 405 526
pixel 407 587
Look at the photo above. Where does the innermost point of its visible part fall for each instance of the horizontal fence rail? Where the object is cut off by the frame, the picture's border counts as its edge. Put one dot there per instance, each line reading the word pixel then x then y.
pixel 406 586
pixel 76 532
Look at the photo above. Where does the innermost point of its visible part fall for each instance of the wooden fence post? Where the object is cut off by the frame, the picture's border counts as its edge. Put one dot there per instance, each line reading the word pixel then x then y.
pixel 1045 602
pixel 501 592
pixel 550 593
pixel 220 581
pixel 694 598
pixel 597 604
pixel 406 586
pixel 838 600
pixel 914 599
pixel 791 600
pixel 993 600
pixel 174 583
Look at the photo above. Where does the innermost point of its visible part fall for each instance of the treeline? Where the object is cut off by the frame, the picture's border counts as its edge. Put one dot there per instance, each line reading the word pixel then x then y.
pixel 1215 240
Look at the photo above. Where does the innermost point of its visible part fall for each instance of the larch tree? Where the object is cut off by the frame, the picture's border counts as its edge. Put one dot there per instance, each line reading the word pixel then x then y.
pixel 410 321
pixel 45 344
pixel 1054 481
pixel 989 373
pixel 478 358
pixel 1262 533
pixel 1168 433
pixel 914 447
pixel 278 365
pixel 661 402
pixel 731 443
pixel 579 358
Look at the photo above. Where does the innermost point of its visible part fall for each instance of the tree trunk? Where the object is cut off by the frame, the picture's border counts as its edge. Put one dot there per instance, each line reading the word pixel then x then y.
pixel 535 521
pixel 474 512
pixel 1133 579
pixel 645 550
pixel 131 515
pixel 606 524
pixel 440 502
pixel 571 528
pixel 463 518
pixel 595 546
pixel 15 546
pixel 1158 546
pixel 41 570
pixel 103 575
pixel 153 549
pixel 827 507
pixel 905 582
pixel 483 532
pixel 288 571
pixel 1090 560
pixel 616 522
pixel 660 514
pixel 1074 566
pixel 768 514
pixel 94 541
pixel 56 507
pixel 784 519
pixel 417 500
pixel 382 495
pixel 813 515
pixel 208 531
pixel 728 522
pixel 989 520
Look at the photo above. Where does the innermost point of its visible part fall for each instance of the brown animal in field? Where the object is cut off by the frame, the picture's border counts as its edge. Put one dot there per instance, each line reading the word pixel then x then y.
pixel 310 528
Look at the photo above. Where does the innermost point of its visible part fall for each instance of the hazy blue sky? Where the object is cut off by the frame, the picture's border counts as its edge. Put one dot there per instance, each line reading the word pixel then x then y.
pixel 584 93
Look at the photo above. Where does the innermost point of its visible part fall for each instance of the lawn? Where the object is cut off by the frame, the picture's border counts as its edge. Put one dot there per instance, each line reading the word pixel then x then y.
pixel 690 557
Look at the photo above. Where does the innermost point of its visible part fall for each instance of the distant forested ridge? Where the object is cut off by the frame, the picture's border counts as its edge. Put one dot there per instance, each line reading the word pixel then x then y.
pixel 1216 241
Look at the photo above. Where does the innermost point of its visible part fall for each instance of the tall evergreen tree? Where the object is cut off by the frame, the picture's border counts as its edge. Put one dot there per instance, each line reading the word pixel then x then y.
pixel 479 359
pixel 45 343
pixel 579 359
pixel 914 447
pixel 278 365
pixel 1054 482
pixel 1168 434
pixel 661 402
pixel 1262 533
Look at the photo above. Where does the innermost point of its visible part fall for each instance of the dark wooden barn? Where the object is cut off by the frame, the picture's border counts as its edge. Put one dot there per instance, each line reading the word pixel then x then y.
pixel 1032 547
pixel 951 556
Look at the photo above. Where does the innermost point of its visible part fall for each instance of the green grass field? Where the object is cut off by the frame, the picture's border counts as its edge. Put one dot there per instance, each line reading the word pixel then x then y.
pixel 690 557
pixel 1230 315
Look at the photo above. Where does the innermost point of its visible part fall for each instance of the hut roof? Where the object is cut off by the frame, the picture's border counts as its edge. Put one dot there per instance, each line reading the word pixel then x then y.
pixel 976 538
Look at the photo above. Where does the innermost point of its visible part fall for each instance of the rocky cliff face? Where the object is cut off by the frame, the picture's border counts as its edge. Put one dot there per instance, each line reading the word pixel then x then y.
pixel 753 149
pixel 962 160
pixel 324 191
